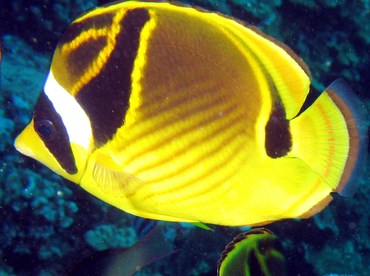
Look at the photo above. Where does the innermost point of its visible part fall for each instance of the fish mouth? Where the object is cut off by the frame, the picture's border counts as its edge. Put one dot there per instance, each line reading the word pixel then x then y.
pixel 22 148
pixel 23 143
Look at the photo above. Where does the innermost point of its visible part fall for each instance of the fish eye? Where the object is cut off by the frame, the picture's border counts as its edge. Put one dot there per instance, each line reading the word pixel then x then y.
pixel 45 129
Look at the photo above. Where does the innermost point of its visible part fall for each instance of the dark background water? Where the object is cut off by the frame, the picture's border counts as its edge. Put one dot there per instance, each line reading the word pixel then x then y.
pixel 48 224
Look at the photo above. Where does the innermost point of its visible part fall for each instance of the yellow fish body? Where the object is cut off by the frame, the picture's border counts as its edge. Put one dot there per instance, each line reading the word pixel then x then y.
pixel 173 113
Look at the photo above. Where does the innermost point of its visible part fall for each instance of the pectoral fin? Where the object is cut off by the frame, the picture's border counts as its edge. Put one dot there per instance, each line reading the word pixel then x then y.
pixel 111 177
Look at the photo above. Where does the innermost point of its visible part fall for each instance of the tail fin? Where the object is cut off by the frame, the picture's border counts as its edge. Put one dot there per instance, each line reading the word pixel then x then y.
pixel 354 114
pixel 331 137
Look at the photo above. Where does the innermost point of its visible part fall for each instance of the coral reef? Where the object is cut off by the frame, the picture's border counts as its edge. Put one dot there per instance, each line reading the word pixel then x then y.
pixel 110 236
pixel 49 224
pixel 41 22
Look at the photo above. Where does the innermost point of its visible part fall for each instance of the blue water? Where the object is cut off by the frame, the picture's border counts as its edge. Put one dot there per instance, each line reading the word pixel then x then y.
pixel 48 225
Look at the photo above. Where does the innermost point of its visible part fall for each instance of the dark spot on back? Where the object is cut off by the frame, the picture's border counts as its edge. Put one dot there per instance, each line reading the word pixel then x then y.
pixel 278 140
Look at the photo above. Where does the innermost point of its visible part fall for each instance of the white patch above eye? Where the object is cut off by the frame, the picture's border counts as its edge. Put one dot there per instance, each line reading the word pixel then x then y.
pixel 73 116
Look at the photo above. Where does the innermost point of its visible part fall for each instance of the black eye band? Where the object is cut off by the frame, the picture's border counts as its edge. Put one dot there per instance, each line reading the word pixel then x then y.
pixel 49 126
pixel 45 129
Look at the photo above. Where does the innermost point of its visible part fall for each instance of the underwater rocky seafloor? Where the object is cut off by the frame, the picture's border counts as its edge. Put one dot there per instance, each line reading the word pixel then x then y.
pixel 49 224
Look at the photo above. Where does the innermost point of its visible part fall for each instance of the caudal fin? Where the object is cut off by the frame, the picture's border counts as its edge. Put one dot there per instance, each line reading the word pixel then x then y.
pixel 331 137
pixel 354 114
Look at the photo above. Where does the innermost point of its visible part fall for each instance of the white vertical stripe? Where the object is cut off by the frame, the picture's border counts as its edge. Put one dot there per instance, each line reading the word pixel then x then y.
pixel 74 117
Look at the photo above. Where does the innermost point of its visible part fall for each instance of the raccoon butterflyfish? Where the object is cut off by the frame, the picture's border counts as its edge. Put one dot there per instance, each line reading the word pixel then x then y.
pixel 257 252
pixel 174 113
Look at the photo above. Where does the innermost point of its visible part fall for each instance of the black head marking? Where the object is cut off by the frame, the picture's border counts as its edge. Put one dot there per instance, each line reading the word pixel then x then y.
pixel 49 126
pixel 105 98
pixel 76 28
